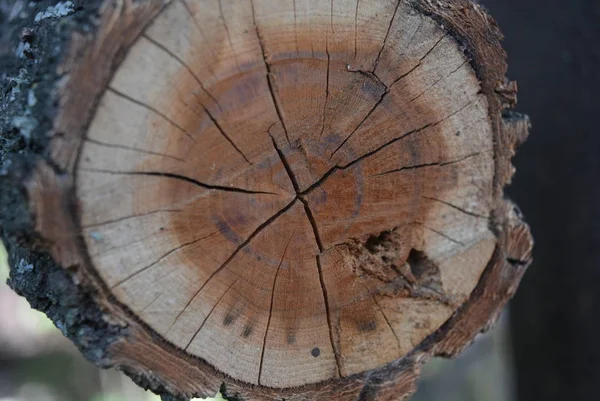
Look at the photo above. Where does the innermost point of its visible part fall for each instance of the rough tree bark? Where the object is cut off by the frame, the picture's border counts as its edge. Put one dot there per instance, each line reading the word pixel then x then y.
pixel 282 200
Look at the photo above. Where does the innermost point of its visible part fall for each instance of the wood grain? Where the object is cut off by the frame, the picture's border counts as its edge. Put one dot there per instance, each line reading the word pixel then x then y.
pixel 298 199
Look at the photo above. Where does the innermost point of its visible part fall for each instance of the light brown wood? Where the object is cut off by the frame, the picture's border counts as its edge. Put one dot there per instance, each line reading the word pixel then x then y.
pixel 289 193
pixel 233 158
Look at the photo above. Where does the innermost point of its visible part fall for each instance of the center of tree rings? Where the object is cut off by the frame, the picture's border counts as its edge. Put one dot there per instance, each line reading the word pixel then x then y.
pixel 286 194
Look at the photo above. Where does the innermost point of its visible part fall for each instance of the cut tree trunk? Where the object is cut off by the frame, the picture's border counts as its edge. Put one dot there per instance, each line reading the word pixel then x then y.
pixel 561 164
pixel 280 199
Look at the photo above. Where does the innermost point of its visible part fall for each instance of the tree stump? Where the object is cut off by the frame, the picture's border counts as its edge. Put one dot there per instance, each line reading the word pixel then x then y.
pixel 286 200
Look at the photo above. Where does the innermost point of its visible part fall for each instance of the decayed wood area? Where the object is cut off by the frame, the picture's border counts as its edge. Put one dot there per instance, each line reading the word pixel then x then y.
pixel 281 199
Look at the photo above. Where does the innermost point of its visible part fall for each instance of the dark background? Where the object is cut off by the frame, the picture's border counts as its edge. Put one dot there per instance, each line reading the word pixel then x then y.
pixel 548 347
pixel 554 54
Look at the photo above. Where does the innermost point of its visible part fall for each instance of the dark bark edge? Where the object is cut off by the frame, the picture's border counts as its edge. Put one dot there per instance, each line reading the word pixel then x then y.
pixel 33 44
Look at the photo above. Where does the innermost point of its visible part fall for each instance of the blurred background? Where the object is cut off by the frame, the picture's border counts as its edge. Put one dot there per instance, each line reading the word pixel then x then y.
pixel 546 346
pixel 38 364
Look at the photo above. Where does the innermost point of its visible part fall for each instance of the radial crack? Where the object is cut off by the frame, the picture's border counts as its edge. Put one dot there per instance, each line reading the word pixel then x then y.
pixel 296 28
pixel 413 36
pixel 440 164
pixel 371 75
pixel 228 35
pixel 401 77
pixel 152 109
pixel 329 318
pixel 219 128
pixel 419 64
pixel 270 76
pixel 356 29
pixel 358 160
pixel 385 145
pixel 326 86
pixel 383 95
pixel 181 178
pixel 187 8
pixel 387 91
pixel 331 17
pixel 464 158
pixel 444 36
pixel 440 233
pixel 222 131
pixel 150 304
pixel 262 355
pixel 438 81
pixel 321 180
pixel 457 207
pixel 133 216
pixel 313 223
pixel 205 319
pixel 413 167
pixel 133 149
pixel 387 34
pixel 122 244
pixel 286 165
pixel 183 64
pixel 235 252
pixel 206 110
pixel 387 321
pixel 270 81
pixel 161 258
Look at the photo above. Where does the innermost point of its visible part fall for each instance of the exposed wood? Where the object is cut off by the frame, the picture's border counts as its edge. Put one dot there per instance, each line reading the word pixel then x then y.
pixel 284 199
